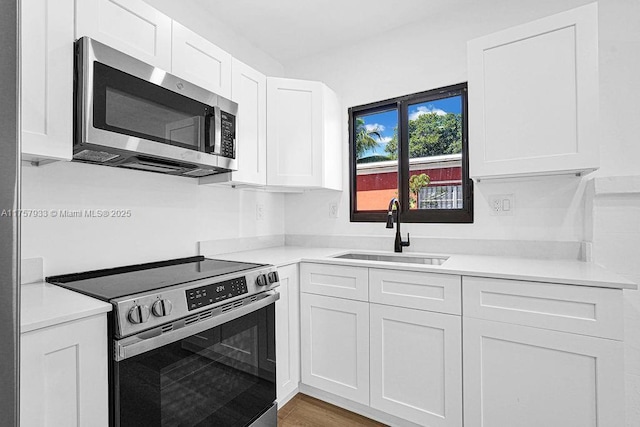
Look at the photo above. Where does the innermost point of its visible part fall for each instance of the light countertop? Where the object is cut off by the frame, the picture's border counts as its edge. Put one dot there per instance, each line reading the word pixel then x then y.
pixel 547 271
pixel 43 305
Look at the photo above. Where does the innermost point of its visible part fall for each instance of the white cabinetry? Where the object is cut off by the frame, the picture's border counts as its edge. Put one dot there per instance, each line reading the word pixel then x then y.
pixel 533 354
pixel 529 377
pixel 47 35
pixel 288 333
pixel 416 365
pixel 335 280
pixel 249 91
pixel 63 375
pixel 199 61
pixel 335 346
pixel 533 97
pixel 303 134
pixel 393 355
pixel 131 26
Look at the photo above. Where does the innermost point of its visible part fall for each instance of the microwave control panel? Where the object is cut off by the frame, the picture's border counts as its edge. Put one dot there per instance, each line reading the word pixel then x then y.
pixel 216 292
pixel 228 128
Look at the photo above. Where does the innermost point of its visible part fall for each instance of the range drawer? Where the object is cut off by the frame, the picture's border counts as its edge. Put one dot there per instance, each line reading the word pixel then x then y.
pixel 412 289
pixel 335 280
pixel 577 309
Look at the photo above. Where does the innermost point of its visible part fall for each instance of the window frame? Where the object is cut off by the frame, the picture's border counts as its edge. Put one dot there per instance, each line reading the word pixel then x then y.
pixel 401 104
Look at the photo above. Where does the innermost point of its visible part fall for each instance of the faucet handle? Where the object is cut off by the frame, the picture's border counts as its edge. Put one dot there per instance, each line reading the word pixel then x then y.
pixel 407 243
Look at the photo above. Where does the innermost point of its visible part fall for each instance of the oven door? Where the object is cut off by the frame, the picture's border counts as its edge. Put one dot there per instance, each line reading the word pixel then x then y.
pixel 219 371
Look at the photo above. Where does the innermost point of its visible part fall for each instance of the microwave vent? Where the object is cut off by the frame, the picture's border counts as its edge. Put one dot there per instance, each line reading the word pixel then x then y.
pixel 199 172
pixel 95 156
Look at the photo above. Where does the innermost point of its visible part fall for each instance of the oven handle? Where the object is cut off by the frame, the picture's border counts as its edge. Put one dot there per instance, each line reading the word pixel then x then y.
pixel 142 342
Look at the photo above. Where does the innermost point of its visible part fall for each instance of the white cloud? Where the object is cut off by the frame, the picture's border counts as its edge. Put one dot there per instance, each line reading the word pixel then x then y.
pixel 426 110
pixel 385 140
pixel 374 127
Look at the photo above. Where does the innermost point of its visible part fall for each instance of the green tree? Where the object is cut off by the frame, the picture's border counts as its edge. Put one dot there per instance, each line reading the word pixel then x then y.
pixel 431 134
pixel 365 139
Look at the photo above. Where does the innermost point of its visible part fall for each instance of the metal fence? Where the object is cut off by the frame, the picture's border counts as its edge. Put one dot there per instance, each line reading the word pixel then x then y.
pixel 440 197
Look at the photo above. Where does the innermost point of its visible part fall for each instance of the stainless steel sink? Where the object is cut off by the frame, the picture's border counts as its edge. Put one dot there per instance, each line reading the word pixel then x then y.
pixel 411 259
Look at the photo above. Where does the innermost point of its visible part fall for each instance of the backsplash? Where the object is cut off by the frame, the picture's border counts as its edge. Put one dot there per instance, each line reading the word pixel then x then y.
pixel 161 217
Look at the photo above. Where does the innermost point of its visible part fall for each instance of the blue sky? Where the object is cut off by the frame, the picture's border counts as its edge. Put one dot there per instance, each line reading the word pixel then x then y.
pixel 386 121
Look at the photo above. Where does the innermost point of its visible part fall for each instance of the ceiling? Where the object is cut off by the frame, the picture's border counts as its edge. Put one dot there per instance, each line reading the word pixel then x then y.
pixel 292 29
pixel 288 30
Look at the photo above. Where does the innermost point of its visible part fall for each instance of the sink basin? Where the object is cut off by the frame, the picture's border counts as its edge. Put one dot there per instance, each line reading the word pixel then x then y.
pixel 411 259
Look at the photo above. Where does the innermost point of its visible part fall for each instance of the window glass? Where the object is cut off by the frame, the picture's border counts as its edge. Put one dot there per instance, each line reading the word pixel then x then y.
pixel 435 154
pixel 376 161
pixel 413 148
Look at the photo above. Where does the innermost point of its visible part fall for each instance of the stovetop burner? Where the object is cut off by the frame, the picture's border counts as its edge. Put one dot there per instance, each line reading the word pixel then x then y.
pixel 108 284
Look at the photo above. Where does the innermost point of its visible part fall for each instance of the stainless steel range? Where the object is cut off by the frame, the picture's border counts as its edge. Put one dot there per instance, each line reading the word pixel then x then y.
pixel 193 341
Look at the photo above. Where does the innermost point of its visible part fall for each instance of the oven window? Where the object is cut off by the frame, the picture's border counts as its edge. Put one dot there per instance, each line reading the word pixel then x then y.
pixel 132 106
pixel 224 376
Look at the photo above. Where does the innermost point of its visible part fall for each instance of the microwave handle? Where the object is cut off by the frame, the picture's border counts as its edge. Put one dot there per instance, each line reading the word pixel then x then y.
pixel 213 134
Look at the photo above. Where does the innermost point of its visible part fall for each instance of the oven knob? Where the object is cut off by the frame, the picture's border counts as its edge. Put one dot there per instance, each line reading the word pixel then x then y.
pixel 261 280
pixel 162 308
pixel 273 277
pixel 139 314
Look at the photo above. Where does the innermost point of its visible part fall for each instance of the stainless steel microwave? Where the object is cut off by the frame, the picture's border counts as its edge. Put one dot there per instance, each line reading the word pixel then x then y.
pixel 130 114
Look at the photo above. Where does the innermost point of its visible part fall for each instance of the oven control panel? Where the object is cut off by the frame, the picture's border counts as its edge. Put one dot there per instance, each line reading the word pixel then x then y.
pixel 216 292
pixel 137 313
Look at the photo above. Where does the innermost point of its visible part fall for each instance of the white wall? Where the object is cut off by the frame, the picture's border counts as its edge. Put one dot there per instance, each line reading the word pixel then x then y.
pixel 433 54
pixel 169 215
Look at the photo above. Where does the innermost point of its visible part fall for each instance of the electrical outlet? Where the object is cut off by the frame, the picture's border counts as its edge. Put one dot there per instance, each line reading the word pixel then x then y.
pixel 333 210
pixel 259 212
pixel 502 204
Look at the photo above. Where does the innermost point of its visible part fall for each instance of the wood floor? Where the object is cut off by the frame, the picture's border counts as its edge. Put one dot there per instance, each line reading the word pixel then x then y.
pixel 306 411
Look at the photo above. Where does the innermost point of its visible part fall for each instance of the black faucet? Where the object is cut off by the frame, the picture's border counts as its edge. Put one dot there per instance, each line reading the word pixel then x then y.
pixel 399 243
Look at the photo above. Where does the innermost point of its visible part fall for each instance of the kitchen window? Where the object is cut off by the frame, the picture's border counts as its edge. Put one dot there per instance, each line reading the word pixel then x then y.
pixel 413 148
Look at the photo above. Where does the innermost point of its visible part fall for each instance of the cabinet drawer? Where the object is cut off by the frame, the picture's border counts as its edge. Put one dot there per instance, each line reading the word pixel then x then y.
pixel 578 309
pixel 412 289
pixel 335 280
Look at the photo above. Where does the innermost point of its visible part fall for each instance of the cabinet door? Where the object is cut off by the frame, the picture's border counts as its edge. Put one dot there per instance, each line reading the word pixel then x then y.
pixel 131 26
pixel 294 132
pixel 527 377
pixel 249 90
pixel 335 346
pixel 533 97
pixel 63 375
pixel 199 61
pixel 416 365
pixel 47 79
pixel 288 333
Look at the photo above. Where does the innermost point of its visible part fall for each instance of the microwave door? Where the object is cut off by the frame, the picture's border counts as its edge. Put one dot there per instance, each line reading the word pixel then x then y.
pixel 191 129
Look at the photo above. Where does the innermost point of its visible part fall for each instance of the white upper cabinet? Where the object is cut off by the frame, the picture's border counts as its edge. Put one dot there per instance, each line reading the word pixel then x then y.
pixel 131 26
pixel 303 134
pixel 200 62
pixel 47 79
pixel 533 97
pixel 249 90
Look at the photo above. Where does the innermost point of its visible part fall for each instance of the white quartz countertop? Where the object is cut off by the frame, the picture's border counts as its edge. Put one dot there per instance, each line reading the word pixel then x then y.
pixel 43 305
pixel 548 271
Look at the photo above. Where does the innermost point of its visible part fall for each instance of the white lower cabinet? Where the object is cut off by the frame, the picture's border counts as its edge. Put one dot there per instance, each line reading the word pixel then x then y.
pixel 525 354
pixel 335 346
pixel 288 333
pixel 416 365
pixel 63 375
pixel 528 377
